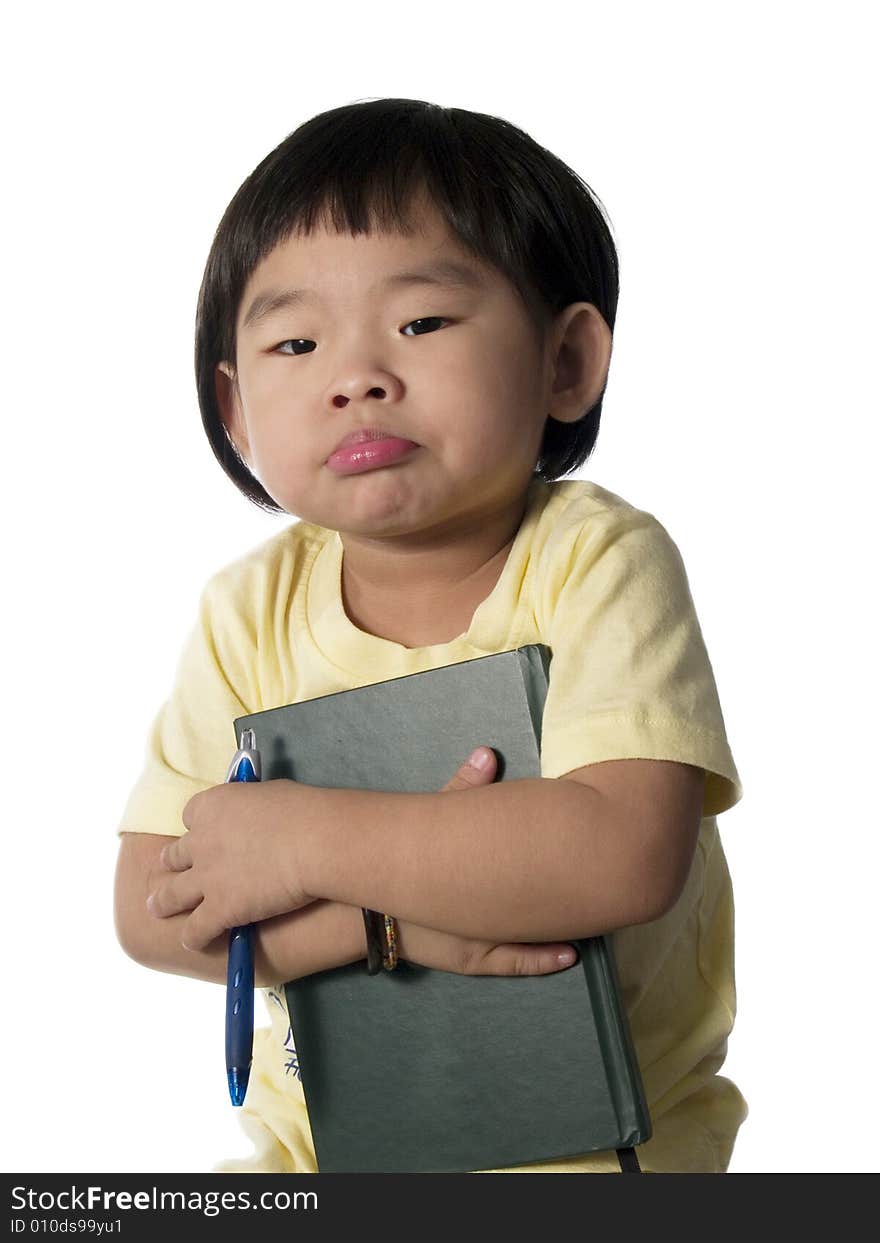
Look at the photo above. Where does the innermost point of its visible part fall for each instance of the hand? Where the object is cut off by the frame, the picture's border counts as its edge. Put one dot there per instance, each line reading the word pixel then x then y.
pixel 236 865
pixel 445 951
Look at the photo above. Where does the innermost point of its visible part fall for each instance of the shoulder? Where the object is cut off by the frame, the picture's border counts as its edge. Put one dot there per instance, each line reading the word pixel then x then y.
pixel 266 574
pixel 568 507
pixel 579 524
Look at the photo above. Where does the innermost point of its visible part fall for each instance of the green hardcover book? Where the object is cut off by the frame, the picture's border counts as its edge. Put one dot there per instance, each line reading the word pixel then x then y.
pixel 418 1070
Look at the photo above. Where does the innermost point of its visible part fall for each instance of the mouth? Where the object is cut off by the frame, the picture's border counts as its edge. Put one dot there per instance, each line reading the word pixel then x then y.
pixel 369 449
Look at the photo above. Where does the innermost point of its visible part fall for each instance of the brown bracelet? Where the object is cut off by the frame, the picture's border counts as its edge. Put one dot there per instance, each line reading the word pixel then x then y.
pixel 375 929
pixel 389 958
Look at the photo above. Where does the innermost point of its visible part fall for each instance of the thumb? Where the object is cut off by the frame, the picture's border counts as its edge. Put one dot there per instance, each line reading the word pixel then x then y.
pixel 478 770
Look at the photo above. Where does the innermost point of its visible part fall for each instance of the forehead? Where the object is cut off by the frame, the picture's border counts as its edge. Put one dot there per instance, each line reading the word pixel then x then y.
pixel 326 264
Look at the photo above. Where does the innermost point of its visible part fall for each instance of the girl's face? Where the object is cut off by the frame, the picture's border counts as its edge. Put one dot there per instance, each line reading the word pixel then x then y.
pixel 337 333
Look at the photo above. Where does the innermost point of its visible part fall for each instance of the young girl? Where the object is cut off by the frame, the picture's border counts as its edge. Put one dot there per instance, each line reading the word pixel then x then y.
pixel 403 339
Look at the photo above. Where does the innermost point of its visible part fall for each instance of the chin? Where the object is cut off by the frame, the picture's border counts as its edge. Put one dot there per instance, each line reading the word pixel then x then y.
pixel 386 509
pixel 378 526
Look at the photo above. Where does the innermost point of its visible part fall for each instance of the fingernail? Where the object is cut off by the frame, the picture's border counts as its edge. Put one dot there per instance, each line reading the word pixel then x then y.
pixel 566 957
pixel 481 759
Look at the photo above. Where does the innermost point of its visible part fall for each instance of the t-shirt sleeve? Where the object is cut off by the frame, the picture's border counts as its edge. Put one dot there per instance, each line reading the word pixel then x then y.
pixel 192 738
pixel 630 676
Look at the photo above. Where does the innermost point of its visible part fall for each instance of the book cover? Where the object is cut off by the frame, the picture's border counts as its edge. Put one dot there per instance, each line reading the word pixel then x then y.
pixel 418 1070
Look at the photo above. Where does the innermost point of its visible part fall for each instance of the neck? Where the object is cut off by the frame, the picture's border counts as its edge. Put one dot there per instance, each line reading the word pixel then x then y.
pixel 424 590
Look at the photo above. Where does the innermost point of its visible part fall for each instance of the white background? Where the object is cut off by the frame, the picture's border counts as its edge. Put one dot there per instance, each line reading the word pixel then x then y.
pixel 734 148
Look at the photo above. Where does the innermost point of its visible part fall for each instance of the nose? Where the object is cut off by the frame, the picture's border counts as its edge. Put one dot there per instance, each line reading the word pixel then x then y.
pixel 341 400
pixel 367 381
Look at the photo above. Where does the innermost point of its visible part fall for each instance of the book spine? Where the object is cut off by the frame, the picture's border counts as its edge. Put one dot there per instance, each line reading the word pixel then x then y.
pixel 534 667
pixel 615 1040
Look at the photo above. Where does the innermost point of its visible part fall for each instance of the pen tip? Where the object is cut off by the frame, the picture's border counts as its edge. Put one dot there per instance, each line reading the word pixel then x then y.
pixel 238 1081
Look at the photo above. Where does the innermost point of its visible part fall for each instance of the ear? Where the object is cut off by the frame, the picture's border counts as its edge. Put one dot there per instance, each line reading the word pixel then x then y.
pixel 579 361
pixel 229 405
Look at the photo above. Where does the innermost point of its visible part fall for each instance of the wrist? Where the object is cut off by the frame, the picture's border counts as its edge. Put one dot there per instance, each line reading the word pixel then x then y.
pixel 321 851
pixel 318 937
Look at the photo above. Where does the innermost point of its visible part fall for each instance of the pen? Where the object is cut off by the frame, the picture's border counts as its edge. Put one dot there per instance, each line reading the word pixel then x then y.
pixel 245 766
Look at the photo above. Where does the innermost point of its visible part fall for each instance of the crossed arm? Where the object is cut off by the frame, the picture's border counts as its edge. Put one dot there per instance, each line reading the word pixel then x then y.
pixel 523 861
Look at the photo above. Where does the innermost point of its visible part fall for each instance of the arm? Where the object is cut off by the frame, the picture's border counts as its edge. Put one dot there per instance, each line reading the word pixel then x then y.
pixel 529 860
pixel 316 937
pixel 533 860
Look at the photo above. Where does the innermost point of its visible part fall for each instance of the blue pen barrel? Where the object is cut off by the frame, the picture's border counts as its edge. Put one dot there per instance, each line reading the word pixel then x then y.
pixel 240 999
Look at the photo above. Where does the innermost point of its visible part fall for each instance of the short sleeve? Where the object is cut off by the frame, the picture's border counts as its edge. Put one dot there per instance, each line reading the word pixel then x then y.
pixel 192 738
pixel 630 676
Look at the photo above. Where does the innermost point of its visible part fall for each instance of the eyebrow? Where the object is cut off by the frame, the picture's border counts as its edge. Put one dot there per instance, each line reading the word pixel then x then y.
pixel 444 274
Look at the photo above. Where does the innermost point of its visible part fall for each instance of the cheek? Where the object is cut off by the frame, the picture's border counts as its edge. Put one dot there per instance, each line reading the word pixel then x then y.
pixel 275 416
pixel 279 445
pixel 267 390
pixel 501 364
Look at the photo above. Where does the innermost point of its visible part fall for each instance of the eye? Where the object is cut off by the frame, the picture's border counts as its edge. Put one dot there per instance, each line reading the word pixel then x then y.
pixel 310 345
pixel 301 345
pixel 431 319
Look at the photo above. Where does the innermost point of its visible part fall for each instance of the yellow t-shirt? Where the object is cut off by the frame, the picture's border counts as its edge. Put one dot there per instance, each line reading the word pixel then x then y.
pixel 603 585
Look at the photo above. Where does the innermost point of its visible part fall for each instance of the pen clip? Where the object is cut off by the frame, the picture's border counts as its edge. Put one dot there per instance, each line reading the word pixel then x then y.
pixel 246 751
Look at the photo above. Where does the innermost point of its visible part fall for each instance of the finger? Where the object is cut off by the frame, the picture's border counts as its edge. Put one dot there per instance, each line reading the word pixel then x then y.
pixel 525 959
pixel 179 892
pixel 188 813
pixel 478 770
pixel 200 929
pixel 176 855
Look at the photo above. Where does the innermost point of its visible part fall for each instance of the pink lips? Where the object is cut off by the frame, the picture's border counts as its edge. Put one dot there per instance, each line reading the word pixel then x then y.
pixel 368 448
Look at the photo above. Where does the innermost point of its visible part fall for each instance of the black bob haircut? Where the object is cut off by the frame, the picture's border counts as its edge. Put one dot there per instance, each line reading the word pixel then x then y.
pixel 508 200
